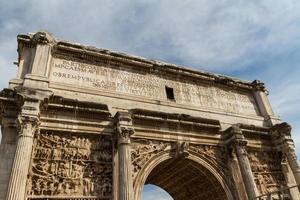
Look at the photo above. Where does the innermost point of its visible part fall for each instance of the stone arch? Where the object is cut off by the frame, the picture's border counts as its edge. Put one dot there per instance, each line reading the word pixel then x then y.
pixel 166 157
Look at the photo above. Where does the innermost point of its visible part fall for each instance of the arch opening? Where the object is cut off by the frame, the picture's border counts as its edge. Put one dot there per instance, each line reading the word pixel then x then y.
pixel 151 192
pixel 185 179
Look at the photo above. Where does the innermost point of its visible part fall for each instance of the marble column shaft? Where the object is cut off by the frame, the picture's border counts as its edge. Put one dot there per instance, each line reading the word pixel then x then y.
pixel 237 177
pixel 246 171
pixel 18 177
pixel 125 176
pixel 124 131
pixel 289 151
pixel 290 180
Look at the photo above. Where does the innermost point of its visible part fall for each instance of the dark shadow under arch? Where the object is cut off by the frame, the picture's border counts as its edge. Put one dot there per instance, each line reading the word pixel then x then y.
pixel 184 179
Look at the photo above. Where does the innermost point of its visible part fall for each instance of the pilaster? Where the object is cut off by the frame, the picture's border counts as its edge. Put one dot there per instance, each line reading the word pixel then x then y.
pixel 264 106
pixel 124 130
pixel 34 60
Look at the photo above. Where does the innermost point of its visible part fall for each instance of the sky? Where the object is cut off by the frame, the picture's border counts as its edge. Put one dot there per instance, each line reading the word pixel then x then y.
pixel 258 39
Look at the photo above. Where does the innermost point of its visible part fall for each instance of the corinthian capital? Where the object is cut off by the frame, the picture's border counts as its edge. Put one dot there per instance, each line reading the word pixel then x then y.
pixel 124 134
pixel 281 130
pixel 27 126
pixel 124 127
pixel 235 137
pixel 28 120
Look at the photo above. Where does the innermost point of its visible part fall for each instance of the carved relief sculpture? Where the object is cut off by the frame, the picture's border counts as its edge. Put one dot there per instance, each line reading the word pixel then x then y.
pixel 266 168
pixel 144 150
pixel 71 165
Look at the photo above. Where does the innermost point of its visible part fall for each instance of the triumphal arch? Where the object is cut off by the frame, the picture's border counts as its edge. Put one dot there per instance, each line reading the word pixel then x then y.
pixel 81 123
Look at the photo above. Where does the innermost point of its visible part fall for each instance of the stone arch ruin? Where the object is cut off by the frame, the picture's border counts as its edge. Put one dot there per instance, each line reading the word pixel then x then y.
pixel 81 123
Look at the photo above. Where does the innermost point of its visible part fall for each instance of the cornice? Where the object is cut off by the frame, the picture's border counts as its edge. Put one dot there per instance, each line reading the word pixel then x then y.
pixel 247 131
pixel 61 103
pixel 166 69
pixel 203 123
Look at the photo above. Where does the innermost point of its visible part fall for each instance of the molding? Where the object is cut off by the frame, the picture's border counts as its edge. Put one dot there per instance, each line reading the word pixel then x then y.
pixel 150 66
pixel 179 119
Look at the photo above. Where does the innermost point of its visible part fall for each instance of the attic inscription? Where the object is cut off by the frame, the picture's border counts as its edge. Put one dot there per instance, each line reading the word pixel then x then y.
pixel 150 86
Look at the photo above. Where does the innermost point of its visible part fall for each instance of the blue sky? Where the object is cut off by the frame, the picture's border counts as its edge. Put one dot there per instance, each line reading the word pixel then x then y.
pixel 258 39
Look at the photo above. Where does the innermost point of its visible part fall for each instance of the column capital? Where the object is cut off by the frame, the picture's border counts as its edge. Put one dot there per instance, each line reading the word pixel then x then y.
pixel 124 127
pixel 29 118
pixel 281 130
pixel 235 136
pixel 281 136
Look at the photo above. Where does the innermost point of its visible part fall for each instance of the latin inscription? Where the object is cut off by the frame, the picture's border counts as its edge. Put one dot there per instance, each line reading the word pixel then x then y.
pixel 151 86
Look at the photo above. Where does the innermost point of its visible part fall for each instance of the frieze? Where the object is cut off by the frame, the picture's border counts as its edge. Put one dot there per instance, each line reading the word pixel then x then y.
pixel 113 79
pixel 69 165
pixel 267 171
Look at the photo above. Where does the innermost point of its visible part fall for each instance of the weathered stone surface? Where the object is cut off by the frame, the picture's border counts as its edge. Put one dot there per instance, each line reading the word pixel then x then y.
pixel 86 123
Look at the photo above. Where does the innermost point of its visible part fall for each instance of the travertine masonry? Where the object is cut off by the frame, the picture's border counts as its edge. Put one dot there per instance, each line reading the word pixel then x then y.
pixel 81 123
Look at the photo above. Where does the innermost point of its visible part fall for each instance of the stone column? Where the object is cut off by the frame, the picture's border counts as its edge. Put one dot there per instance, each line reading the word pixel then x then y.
pixel 289 178
pixel 238 145
pixel 281 135
pixel 124 131
pixel 28 124
pixel 237 176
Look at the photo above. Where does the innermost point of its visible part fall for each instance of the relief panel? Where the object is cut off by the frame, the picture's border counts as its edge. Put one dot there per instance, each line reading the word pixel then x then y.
pixel 266 167
pixel 65 165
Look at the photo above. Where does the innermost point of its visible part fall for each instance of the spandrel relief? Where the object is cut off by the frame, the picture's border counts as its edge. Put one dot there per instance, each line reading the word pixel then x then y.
pixel 67 164
pixel 215 154
pixel 144 150
pixel 266 168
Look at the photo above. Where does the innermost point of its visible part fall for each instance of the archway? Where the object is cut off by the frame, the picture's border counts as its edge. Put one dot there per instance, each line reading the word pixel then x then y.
pixel 184 178
pixel 151 192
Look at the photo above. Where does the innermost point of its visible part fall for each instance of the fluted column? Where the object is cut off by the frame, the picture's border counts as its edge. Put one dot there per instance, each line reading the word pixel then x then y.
pixel 282 139
pixel 238 144
pixel 27 123
pixel 289 178
pixel 237 176
pixel 124 131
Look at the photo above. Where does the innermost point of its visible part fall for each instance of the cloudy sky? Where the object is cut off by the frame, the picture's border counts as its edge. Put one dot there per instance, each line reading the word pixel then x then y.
pixel 258 39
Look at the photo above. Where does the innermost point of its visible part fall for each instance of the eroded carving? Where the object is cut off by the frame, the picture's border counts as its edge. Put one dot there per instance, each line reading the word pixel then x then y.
pixel 65 165
pixel 216 154
pixel 266 168
pixel 143 150
pixel 182 149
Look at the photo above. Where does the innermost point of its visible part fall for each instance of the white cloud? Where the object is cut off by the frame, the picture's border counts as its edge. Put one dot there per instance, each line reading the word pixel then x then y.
pixel 220 35
pixel 224 36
